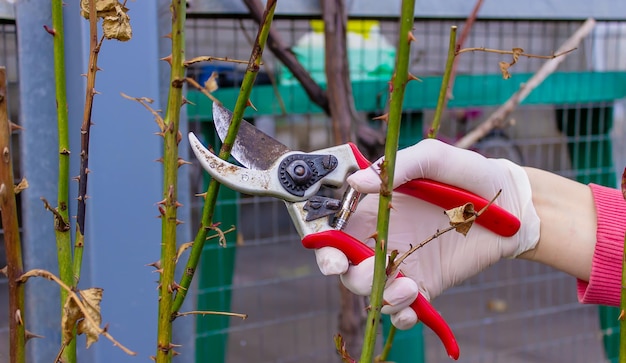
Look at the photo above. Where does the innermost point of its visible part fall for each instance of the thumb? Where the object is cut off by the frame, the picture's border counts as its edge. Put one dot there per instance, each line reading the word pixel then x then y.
pixel 421 160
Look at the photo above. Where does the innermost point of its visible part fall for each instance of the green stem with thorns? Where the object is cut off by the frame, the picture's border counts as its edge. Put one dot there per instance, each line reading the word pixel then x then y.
pixel 61 217
pixel 211 194
pixel 168 207
pixel 398 84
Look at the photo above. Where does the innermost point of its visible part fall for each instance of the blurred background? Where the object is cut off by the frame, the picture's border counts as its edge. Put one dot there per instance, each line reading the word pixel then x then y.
pixel 571 124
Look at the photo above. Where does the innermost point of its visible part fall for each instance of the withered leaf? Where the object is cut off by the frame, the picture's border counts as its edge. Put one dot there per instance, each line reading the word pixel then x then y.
pixel 91 298
pixel 504 68
pixel 72 315
pixel 211 84
pixel 23 184
pixel 101 6
pixel 116 25
pixel 459 217
pixel 516 53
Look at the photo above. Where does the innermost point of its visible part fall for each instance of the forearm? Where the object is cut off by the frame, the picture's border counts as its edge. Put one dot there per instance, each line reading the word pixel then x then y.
pixel 568 223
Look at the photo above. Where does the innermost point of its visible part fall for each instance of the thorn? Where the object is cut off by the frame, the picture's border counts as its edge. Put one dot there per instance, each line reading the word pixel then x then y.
pixel 177 204
pixel 168 59
pixel 168 36
pixel 79 198
pixel 186 101
pixel 413 78
pixel 412 38
pixel 28 335
pixel 161 211
pixel 249 103
pixel 161 202
pixel 162 134
pixel 182 162
pixel 50 30
pixel 179 137
pixel 175 287
pixel 15 127
pixel 390 206
pixel 153 357
pixel 203 195
pixel 172 345
pixel 158 270
pixel 5 271
pixel 87 170
pixel 18 317
pixel 175 353
pixel 158 288
pixel 106 328
pixel 383 117
pixel 155 264
pixel 64 151
pixel 94 92
pixel 76 178
pixel 385 302
pixel 178 221
pixel 159 160
pixel 373 235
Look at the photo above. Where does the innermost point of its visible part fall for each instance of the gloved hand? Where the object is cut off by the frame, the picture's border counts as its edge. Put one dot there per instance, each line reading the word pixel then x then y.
pixel 451 258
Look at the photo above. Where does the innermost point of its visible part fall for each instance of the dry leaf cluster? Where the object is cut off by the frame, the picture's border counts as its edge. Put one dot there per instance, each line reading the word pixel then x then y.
pixel 115 19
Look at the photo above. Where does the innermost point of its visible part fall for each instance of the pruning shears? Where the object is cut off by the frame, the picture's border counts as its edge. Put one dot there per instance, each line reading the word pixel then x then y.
pixel 270 168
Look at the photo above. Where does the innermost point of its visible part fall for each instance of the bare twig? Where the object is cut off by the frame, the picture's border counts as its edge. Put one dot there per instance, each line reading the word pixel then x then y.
pixel 546 69
pixel 207 58
pixel 511 52
pixel 398 261
pixel 225 313
pixel 79 303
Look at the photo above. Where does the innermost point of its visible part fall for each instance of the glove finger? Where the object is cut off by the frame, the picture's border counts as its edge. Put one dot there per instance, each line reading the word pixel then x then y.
pixel 331 261
pixel 399 294
pixel 358 278
pixel 404 319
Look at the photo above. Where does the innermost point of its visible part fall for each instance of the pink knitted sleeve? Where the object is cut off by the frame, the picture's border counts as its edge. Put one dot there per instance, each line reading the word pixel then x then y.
pixel 606 271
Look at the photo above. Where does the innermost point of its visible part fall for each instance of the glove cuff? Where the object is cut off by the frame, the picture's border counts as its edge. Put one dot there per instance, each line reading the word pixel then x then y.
pixel 528 235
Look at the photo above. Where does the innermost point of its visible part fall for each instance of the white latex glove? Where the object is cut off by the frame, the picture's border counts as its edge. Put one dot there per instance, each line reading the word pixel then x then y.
pixel 451 258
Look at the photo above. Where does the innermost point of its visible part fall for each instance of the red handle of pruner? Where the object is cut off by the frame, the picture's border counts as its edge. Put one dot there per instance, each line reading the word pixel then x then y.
pixel 494 218
pixel 356 253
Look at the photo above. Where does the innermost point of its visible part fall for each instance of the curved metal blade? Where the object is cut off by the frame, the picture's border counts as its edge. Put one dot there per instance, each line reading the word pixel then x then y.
pixel 252 148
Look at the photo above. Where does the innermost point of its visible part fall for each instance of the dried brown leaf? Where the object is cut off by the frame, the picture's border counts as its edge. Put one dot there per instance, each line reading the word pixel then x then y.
pixel 211 83
pixel 116 25
pixel 101 6
pixel 91 298
pixel 462 217
pixel 73 315
pixel 23 184
pixel 504 68
pixel 516 53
